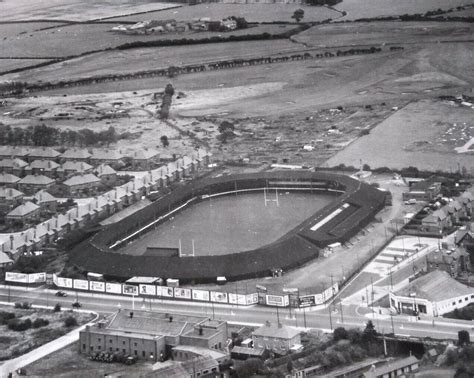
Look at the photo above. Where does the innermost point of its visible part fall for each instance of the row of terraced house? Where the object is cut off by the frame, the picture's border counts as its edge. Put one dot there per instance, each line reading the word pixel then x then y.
pixel 450 214
pixel 98 207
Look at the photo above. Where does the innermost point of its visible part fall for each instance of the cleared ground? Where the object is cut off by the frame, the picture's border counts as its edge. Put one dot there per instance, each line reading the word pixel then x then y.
pixel 74 10
pixel 251 12
pixel 389 32
pixel 423 134
pixel 230 224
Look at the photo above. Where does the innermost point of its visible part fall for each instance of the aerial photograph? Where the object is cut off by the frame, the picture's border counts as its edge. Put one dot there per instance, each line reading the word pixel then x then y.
pixel 237 188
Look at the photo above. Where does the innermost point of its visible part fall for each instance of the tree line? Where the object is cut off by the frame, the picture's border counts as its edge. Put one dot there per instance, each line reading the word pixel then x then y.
pixel 42 135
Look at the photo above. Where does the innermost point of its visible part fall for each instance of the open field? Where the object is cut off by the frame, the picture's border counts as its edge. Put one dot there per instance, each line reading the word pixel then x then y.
pixel 17 29
pixel 15 343
pixel 74 39
pixel 142 59
pixel 389 32
pixel 422 134
pixel 251 12
pixel 12 64
pixel 68 363
pixel 74 10
pixel 230 224
pixel 375 8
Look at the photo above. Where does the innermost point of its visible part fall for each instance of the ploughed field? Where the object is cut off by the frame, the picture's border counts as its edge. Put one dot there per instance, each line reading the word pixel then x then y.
pixel 232 223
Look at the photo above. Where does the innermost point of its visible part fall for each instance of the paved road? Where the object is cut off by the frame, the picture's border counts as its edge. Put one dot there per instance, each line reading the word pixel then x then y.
pixel 351 315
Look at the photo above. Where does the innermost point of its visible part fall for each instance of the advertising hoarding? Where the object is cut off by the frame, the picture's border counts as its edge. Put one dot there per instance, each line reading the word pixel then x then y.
pixel 239 299
pixel 37 277
pixel 252 298
pixel 307 300
pixel 145 289
pixel 164 291
pixel 217 296
pixel 277 300
pixel 64 282
pixel 130 289
pixel 16 277
pixel 182 293
pixel 97 286
pixel 113 288
pixel 81 284
pixel 200 295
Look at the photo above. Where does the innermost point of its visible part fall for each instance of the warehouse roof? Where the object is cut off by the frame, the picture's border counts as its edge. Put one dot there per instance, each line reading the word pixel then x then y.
pixel 435 286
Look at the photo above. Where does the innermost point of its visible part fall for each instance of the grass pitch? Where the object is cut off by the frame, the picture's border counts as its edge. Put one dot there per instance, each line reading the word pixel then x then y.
pixel 229 224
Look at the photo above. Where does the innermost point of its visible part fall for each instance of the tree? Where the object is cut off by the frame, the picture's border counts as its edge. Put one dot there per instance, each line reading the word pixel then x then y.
pixel 340 333
pixel 57 307
pixel 289 366
pixel 70 321
pixel 169 89
pixel 298 15
pixel 369 333
pixel 164 141
pixel 463 338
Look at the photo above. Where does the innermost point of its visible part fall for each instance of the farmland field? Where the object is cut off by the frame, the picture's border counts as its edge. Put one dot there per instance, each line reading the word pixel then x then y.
pixel 251 12
pixel 230 224
pixel 375 8
pixel 141 59
pixel 11 64
pixel 424 134
pixel 75 39
pixel 378 33
pixel 74 10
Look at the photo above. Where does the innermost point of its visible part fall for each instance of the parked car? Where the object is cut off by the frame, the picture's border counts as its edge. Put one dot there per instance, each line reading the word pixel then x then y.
pixel 76 305
pixel 61 294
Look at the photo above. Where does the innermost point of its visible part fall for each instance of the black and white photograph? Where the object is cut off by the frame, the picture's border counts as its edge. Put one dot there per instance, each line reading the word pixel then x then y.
pixel 237 188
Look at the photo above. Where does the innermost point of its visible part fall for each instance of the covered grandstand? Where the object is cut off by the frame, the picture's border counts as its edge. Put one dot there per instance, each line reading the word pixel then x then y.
pixel 354 207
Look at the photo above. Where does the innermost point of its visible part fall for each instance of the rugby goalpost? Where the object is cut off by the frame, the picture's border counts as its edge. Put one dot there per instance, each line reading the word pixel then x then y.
pixel 266 199
pixel 181 254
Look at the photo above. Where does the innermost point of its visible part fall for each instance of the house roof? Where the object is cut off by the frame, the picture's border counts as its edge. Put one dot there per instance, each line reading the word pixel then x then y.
pixel 4 259
pixel 153 323
pixel 13 151
pixel 43 196
pixel 44 152
pixel 390 366
pixel 36 180
pixel 13 163
pixel 22 210
pixel 78 166
pixel 205 352
pixel 144 154
pixel 10 193
pixel 107 155
pixel 76 153
pixel 276 331
pixel 8 178
pixel 43 164
pixel 87 178
pixel 435 286
pixel 104 169
pixel 248 351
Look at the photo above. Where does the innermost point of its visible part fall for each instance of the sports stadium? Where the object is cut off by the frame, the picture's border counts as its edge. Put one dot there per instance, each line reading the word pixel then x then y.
pixel 240 226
